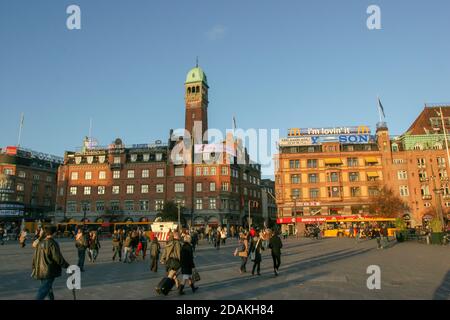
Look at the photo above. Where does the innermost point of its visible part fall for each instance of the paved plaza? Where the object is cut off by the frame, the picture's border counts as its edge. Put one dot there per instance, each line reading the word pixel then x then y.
pixel 310 269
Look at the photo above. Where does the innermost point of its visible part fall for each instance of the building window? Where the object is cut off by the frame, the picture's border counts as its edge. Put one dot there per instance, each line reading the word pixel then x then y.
pixel 179 187
pixel 355 191
pixel 373 192
pixel 101 189
pixel 159 173
pixel 130 174
pixel 145 173
pixel 225 186
pixel 418 146
pixel 394 147
pixel 295 178
pixel 49 179
pixel 115 205
pixel 333 192
pixel 20 198
pixel 77 160
pixel 352 162
pixel 159 205
pixel 133 157
pixel 159 188
pixel 101 159
pixel 61 192
pixel 34 187
pixel 443 174
pixel 205 171
pixel 116 174
pixel 88 175
pixel 116 160
pixel 20 187
pixel 313 178
pixel 146 157
pixel 158 157
pixel 421 162
pixel 422 175
pixel 402 175
pixel 212 186
pixel 333 177
pixel 130 189
pixel 74 176
pixel 87 191
pixel 179 172
pixel 22 174
pixel 73 191
pixel 245 176
pixel 224 171
pixel 353 176
pixel 100 206
pixel 143 205
pixel 198 187
pixel 213 171
pixel 294 164
pixel 144 188
pixel 115 189
pixel 102 175
pixel 441 162
pixel 71 206
pixel 212 203
pixel 425 190
pixel 314 193
pixel 295 193
pixel 129 205
pixel 311 163
pixel 199 204
pixel 427 204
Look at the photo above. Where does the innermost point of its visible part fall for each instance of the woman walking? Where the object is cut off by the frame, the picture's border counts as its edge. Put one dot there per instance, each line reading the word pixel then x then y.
pixel 255 249
pixel 187 264
pixel 244 252
pixel 94 246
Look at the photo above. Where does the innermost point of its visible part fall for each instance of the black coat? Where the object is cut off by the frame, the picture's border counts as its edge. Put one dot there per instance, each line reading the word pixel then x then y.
pixel 187 259
pixel 48 260
pixel 256 246
pixel 275 244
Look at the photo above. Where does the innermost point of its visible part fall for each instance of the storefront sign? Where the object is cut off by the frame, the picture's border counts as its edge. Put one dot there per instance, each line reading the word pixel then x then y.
pixel 318 140
pixel 362 129
pixel 319 219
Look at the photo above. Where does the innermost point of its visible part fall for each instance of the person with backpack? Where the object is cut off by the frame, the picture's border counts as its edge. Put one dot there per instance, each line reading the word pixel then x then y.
pixel 81 243
pixel 155 249
pixel 255 250
pixel 172 257
pixel 47 262
pixel 117 245
pixel 276 244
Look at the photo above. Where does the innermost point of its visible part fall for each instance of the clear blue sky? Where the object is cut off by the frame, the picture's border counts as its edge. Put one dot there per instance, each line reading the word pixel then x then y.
pixel 274 64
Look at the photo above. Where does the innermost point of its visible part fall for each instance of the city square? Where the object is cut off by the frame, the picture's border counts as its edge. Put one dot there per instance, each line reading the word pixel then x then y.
pixel 310 269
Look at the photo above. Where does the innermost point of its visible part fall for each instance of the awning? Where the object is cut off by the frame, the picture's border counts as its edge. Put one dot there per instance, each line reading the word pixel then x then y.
pixel 373 174
pixel 333 161
pixel 371 160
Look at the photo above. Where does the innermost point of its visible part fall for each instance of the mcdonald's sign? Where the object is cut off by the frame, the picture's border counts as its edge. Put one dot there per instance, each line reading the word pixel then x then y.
pixel 363 130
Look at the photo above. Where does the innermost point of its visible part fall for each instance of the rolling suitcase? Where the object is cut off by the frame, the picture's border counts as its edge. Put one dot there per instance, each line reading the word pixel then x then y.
pixel 164 286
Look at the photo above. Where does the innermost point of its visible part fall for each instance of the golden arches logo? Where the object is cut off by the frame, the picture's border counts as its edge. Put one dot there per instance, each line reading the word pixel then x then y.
pixel 363 130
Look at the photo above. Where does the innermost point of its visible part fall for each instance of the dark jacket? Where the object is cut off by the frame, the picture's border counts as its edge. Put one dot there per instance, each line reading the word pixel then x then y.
pixel 256 246
pixel 48 260
pixel 275 244
pixel 172 250
pixel 187 259
pixel 116 240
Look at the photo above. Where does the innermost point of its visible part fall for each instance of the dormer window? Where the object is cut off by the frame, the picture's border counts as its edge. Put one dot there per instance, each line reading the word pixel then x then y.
pixel 394 147
pixel 418 146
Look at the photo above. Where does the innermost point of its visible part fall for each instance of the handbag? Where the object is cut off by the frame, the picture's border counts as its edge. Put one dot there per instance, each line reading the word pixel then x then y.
pixel 195 275
pixel 253 253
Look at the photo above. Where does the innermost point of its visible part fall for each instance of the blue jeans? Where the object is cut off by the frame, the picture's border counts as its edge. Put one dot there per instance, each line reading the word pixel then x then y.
pixel 81 257
pixel 46 289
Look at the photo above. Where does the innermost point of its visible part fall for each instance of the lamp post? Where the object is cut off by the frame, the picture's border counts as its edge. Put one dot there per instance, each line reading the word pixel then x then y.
pixel 295 215
pixel 84 214
pixel 249 217
pixel 438 193
pixel 179 216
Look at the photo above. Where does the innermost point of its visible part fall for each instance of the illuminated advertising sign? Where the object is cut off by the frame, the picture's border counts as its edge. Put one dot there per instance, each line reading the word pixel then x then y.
pixel 318 140
pixel 295 132
pixel 301 141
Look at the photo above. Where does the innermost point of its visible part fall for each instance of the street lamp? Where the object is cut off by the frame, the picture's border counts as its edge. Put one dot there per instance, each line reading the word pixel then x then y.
pixel 295 214
pixel 249 217
pixel 438 193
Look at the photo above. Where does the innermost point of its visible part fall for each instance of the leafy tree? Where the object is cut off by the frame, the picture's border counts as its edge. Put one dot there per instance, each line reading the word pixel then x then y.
pixel 169 212
pixel 387 204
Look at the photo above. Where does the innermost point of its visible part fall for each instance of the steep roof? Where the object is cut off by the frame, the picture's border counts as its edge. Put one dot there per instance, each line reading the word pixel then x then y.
pixel 429 121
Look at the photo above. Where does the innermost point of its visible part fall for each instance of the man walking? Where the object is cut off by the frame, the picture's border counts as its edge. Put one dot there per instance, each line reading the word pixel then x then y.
pixel 155 249
pixel 275 244
pixel 117 245
pixel 47 262
pixel 81 243
pixel 172 256
pixel 187 265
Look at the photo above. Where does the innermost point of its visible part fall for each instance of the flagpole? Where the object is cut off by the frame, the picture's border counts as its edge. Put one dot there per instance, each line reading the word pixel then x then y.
pixel 20 129
pixel 445 136
pixel 379 110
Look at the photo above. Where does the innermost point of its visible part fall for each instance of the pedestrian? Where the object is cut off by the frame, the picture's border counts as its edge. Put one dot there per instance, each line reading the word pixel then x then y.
pixel 144 242
pixel 94 246
pixel 243 253
pixel 127 249
pixel 187 265
pixel 47 262
pixel 2 231
pixel 255 250
pixel 384 236
pixel 377 235
pixel 224 235
pixel 194 240
pixel 276 244
pixel 117 245
pixel 81 243
pixel 155 249
pixel 23 238
pixel 171 257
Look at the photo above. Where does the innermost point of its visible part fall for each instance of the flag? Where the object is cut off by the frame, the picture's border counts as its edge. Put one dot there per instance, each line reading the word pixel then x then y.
pixel 21 119
pixel 381 107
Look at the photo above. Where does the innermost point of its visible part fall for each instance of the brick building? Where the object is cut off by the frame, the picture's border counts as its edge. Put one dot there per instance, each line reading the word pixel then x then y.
pixel 213 183
pixel 27 184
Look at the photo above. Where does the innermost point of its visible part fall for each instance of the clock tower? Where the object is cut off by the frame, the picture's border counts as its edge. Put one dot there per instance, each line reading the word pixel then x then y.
pixel 196 99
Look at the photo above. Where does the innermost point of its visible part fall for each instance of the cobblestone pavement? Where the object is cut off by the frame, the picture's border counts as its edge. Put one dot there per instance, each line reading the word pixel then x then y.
pixel 310 269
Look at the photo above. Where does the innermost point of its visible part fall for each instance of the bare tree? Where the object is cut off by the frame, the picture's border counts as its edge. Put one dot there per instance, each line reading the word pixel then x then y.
pixel 387 204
